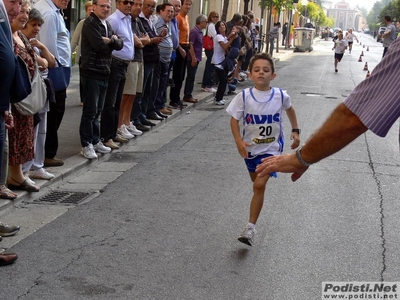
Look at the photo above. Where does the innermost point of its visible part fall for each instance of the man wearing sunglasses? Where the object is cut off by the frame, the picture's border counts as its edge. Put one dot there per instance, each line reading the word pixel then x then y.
pixel 120 21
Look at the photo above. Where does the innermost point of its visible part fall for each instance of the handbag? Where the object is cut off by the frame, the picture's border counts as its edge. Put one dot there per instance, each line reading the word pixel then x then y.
pixel 36 99
pixel 208 42
pixel 21 85
pixel 60 76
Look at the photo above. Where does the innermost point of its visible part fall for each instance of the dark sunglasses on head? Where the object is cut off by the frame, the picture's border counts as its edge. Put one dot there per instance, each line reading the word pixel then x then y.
pixel 127 2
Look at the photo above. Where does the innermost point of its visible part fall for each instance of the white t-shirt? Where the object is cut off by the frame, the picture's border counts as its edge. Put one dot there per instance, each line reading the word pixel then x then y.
pixel 261 113
pixel 340 46
pixel 350 37
pixel 219 52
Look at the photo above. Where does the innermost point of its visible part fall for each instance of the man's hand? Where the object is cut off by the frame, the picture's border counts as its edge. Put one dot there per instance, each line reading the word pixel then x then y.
pixel 287 163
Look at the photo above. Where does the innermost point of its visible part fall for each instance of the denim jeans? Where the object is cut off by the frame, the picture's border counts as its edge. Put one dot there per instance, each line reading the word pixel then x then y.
pixel 112 102
pixel 160 81
pixel 271 46
pixel 208 71
pixel 140 104
pixel 93 93
pixel 189 83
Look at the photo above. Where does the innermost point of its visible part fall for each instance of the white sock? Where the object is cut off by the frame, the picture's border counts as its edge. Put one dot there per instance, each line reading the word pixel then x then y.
pixel 251 225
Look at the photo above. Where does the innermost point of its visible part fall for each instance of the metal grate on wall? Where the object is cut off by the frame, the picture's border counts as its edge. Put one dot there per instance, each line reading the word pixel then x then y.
pixel 62 197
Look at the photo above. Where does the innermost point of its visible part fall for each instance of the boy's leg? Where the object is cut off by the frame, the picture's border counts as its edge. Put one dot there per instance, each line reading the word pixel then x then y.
pixel 257 200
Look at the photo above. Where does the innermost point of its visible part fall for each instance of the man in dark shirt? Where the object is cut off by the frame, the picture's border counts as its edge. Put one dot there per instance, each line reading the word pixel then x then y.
pixel 98 42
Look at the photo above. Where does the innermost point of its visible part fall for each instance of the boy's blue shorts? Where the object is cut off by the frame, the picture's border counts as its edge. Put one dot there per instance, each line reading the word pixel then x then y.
pixel 253 161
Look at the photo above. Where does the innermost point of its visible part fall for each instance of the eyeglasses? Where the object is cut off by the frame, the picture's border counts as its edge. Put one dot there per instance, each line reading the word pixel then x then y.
pixel 216 17
pixel 104 6
pixel 150 6
pixel 127 2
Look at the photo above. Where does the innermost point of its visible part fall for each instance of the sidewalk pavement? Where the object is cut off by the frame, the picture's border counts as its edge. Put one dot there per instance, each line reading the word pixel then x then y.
pixel 68 133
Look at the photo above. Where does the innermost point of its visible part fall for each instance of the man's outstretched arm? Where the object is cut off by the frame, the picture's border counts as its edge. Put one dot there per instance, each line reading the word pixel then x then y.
pixel 340 129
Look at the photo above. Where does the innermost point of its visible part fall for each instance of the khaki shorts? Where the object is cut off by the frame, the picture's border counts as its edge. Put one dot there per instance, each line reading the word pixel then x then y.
pixel 134 78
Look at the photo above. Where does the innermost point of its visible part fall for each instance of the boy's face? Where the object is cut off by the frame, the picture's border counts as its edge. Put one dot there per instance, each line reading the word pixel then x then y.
pixel 261 73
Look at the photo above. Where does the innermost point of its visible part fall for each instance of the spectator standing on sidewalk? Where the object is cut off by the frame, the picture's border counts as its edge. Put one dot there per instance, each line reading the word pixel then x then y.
pixel 137 72
pixel 273 35
pixel 160 73
pixel 179 69
pixel 221 47
pixel 175 41
pixel 55 36
pixel 134 77
pixel 21 137
pixel 389 35
pixel 35 166
pixel 9 9
pixel 120 21
pixel 194 57
pixel 76 40
pixel 207 82
pixel 284 33
pixel 98 42
pixel 150 58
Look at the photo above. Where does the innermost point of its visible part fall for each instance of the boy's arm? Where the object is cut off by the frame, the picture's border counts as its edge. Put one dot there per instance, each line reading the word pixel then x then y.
pixel 241 145
pixel 291 113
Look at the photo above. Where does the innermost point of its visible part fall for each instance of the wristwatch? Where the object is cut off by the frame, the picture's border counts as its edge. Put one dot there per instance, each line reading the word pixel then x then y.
pixel 300 158
pixel 296 130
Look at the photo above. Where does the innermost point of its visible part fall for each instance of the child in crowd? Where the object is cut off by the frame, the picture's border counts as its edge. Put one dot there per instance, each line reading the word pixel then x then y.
pixel 340 47
pixel 260 110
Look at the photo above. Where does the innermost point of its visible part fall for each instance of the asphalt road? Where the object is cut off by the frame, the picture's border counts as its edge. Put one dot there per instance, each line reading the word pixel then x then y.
pixel 165 213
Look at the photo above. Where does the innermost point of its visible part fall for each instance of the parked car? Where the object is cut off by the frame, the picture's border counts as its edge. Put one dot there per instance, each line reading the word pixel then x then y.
pixel 381 31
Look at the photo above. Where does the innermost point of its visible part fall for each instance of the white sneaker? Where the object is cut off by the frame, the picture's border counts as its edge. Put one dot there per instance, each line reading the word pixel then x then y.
pixel 247 235
pixel 243 74
pixel 133 130
pixel 125 133
pixel 221 102
pixel 88 152
pixel 99 147
pixel 41 174
pixel 210 90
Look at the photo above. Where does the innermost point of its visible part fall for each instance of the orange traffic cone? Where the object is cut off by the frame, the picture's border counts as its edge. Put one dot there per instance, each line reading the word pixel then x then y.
pixel 366 67
pixel 364 46
pixel 367 48
pixel 360 59
pixel 368 74
pixel 362 53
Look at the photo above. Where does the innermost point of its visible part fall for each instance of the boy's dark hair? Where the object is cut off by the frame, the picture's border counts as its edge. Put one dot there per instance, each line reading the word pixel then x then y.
pixel 388 18
pixel 264 56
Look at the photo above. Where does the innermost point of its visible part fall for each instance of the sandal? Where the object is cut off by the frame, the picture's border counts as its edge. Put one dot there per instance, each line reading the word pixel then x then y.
pixel 6 193
pixel 25 186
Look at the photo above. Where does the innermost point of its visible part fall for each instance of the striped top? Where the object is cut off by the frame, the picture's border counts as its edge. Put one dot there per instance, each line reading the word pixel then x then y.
pixel 376 100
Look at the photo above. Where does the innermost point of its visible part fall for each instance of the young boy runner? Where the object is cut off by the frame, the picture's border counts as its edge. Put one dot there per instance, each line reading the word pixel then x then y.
pixel 260 110
pixel 340 46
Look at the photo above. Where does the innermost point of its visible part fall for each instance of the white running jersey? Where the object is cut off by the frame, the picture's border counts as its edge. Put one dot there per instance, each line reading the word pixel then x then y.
pixel 261 113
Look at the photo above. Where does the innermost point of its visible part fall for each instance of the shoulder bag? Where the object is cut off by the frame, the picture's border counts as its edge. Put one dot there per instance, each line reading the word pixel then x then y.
pixel 208 42
pixel 21 85
pixel 60 76
pixel 36 99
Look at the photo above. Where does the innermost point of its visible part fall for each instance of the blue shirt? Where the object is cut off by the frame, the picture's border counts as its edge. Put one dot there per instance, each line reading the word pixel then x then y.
pixel 53 33
pixel 175 33
pixel 122 26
